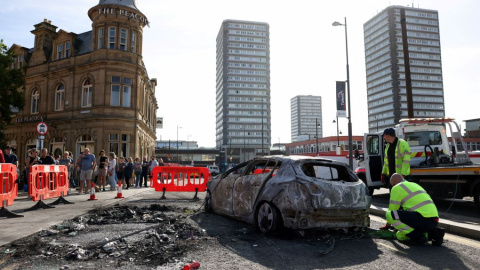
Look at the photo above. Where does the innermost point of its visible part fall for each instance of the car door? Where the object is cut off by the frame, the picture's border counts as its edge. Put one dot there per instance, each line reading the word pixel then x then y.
pixel 374 158
pixel 223 192
pixel 248 186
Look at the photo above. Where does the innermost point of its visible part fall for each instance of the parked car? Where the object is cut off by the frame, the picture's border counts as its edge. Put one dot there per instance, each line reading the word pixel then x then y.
pixel 296 192
pixel 213 169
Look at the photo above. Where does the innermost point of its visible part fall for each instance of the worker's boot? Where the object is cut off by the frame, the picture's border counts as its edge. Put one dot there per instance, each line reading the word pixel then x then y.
pixel 436 236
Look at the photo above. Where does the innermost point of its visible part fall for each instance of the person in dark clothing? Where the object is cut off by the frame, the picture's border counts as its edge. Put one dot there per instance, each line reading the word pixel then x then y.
pixel 397 156
pixel 10 157
pixel 145 167
pixel 45 158
pixel 128 172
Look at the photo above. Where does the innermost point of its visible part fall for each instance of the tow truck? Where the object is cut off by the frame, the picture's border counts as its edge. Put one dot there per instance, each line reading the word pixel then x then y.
pixel 440 164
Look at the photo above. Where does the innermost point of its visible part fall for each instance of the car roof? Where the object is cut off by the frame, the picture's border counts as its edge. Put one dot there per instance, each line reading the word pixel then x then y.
pixel 296 158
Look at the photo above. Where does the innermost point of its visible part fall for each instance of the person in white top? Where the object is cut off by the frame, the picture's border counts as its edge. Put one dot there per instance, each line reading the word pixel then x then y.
pixel 153 164
pixel 112 164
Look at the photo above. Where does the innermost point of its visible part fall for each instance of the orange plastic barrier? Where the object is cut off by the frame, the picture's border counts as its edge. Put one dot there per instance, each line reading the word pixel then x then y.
pixel 46 182
pixel 8 189
pixel 186 179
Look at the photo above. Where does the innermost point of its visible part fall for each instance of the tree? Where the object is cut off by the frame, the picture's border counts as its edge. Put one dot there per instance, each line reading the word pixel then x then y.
pixel 11 80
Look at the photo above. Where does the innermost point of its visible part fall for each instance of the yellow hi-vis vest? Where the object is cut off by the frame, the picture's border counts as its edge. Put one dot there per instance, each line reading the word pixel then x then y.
pixel 402 158
pixel 412 197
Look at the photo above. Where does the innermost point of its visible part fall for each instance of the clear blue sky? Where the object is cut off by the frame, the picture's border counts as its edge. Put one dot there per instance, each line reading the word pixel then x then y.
pixel 307 53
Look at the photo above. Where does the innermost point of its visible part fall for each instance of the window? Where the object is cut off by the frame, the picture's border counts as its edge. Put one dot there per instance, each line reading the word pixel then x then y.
pixel 35 100
pixel 60 97
pixel 87 91
pixel 120 147
pixel 14 63
pixel 121 91
pixel 127 89
pixel 134 41
pixel 100 38
pixel 60 51
pixel 111 37
pixel 422 138
pixel 123 39
pixel 67 49
pixel 20 61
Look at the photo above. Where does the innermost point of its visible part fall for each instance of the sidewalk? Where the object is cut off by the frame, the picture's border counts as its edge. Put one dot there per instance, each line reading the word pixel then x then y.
pixel 34 221
pixel 454 224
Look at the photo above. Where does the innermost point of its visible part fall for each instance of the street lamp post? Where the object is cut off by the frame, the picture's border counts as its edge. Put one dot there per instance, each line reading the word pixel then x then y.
pixel 178 160
pixel 338 139
pixel 316 132
pixel 350 143
pixel 230 147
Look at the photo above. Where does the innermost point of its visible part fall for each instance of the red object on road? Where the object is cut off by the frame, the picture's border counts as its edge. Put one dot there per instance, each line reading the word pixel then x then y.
pixel 192 265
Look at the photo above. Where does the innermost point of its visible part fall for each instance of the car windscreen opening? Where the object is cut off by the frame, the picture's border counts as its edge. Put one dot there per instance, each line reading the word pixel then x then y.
pixel 328 172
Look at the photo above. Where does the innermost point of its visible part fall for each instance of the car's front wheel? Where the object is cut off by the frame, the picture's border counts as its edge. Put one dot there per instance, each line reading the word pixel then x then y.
pixel 267 218
pixel 208 202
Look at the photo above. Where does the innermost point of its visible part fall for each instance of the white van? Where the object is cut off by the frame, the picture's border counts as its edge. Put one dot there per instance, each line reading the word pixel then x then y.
pixel 213 169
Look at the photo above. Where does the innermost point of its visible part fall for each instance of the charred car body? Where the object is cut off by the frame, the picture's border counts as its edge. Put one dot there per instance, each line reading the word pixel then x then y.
pixel 291 191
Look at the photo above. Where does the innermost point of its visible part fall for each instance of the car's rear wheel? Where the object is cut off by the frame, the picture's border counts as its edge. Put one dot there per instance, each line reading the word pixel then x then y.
pixel 208 202
pixel 267 218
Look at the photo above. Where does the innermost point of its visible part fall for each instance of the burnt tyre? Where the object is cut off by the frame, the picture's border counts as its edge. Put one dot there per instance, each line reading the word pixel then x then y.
pixel 208 202
pixel 267 218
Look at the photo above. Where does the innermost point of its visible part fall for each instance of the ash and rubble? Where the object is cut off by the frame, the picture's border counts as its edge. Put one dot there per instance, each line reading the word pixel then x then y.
pixel 120 235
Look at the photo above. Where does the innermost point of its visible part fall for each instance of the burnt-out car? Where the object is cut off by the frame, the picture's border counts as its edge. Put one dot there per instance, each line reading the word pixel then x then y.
pixel 296 192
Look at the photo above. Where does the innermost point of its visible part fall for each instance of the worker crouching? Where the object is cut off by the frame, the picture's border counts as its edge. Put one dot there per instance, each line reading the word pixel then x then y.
pixel 412 213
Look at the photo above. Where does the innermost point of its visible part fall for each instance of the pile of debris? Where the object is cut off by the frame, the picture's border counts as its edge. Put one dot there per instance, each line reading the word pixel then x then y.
pixel 152 235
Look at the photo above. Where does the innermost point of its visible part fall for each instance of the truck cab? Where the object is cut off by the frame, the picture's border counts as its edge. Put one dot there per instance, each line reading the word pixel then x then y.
pixel 429 146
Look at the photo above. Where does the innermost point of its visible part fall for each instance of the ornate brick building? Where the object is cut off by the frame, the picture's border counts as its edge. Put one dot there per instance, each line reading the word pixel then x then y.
pixel 91 89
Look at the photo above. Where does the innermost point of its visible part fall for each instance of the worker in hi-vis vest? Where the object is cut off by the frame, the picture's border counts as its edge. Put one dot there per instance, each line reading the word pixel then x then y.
pixel 397 156
pixel 412 213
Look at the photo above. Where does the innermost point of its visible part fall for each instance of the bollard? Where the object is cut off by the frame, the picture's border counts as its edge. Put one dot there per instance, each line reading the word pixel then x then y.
pixel 92 192
pixel 119 191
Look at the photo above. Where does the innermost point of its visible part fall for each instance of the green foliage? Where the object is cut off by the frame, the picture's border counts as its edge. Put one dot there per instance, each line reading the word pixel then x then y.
pixel 11 81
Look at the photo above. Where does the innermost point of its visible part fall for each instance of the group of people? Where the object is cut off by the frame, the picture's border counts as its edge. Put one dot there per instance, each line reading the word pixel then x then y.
pixel 111 170
pixel 108 169
pixel 411 211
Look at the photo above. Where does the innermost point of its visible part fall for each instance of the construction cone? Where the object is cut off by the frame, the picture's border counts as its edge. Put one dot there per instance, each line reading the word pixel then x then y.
pixel 119 191
pixel 92 192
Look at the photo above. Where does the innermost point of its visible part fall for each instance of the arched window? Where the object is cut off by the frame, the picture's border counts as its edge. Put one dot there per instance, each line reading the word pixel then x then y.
pixel 87 91
pixel 60 98
pixel 35 100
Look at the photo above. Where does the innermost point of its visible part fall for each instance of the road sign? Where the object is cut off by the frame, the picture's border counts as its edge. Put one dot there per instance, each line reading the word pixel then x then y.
pixel 42 128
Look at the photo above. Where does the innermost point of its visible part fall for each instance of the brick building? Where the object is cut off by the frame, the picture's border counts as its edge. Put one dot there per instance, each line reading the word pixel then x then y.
pixel 92 89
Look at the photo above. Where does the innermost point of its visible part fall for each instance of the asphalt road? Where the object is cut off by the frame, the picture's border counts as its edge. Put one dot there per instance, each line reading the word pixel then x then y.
pixel 231 244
